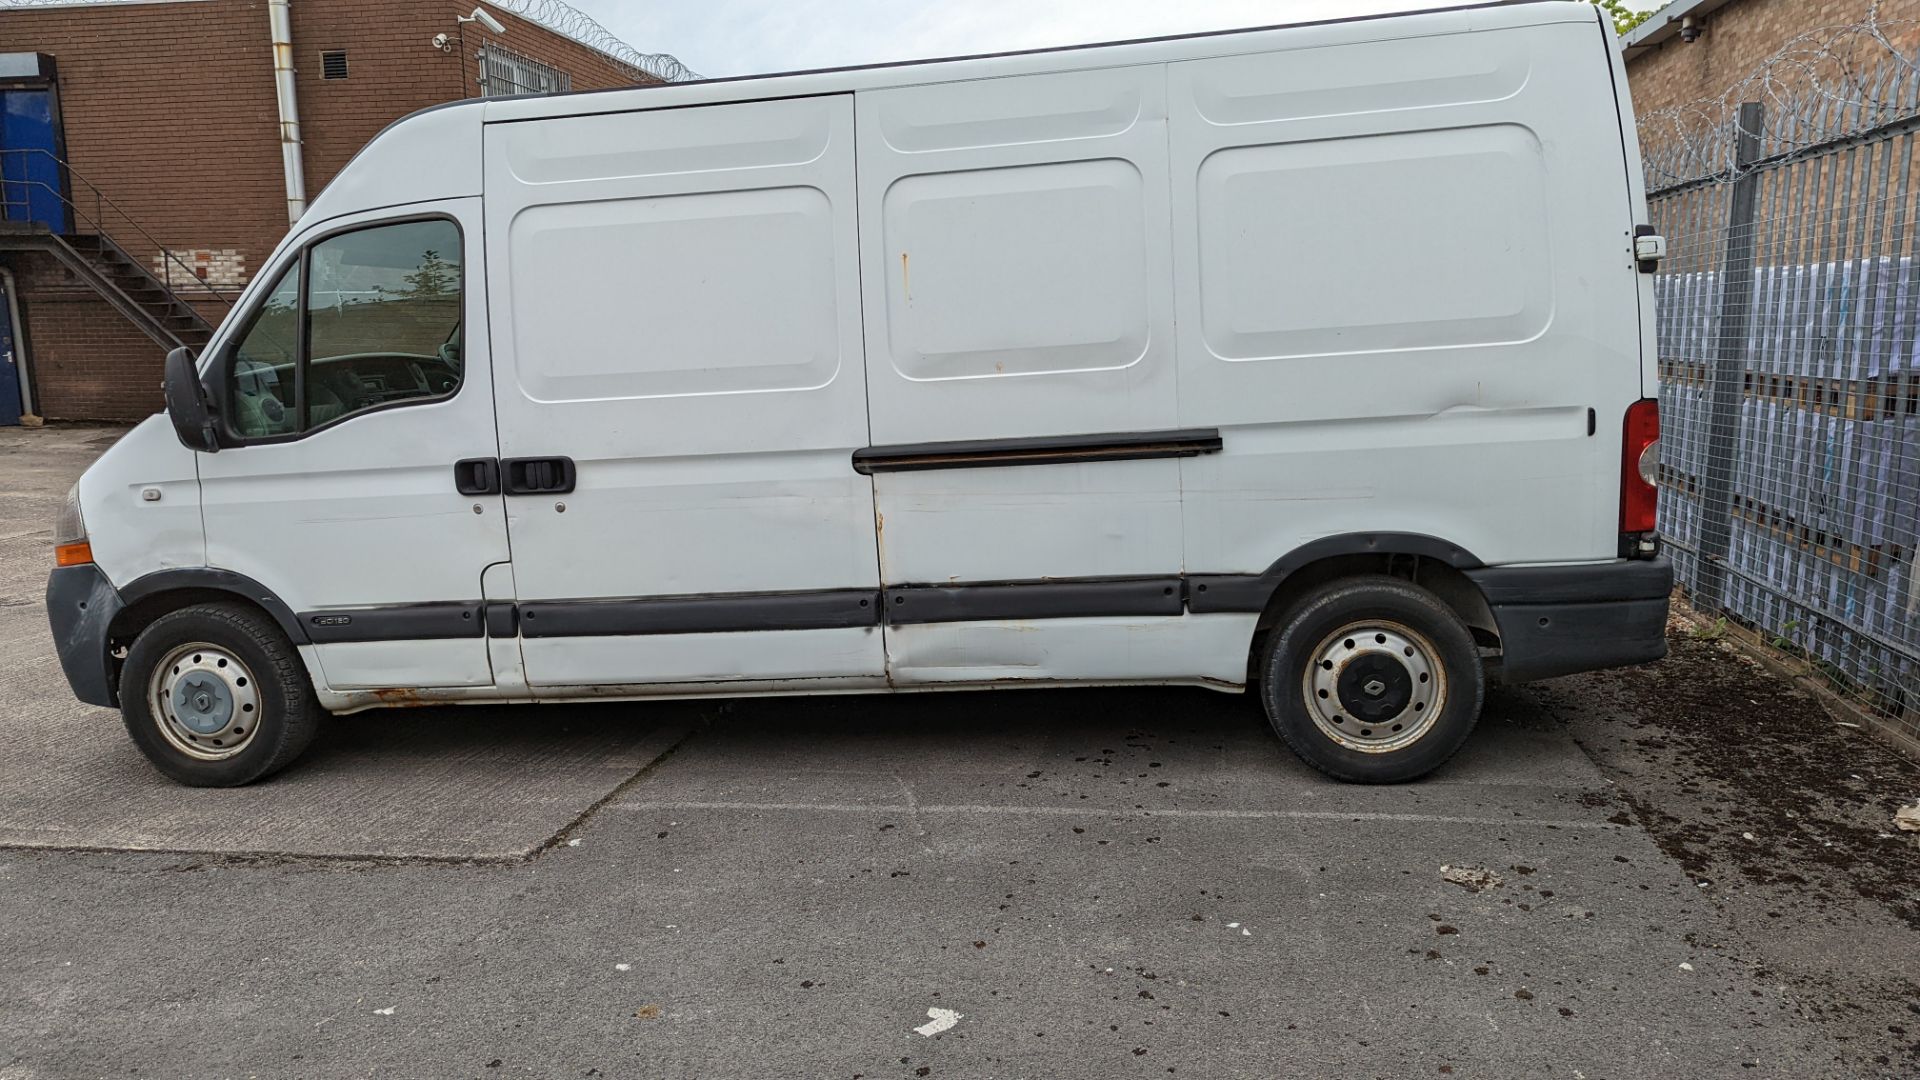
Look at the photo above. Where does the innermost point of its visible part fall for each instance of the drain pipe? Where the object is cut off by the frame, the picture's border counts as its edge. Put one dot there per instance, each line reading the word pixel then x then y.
pixel 280 17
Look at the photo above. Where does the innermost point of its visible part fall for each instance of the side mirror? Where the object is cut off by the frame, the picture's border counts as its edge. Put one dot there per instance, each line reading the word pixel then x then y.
pixel 187 403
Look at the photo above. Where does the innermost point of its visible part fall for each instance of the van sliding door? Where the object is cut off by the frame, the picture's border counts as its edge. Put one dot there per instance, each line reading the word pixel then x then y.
pixel 676 314
pixel 1020 357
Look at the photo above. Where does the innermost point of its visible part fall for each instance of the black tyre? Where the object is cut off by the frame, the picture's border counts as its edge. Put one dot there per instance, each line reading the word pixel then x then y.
pixel 1372 680
pixel 215 696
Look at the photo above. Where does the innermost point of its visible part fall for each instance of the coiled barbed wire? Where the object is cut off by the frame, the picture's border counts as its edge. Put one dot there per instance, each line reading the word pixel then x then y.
pixel 555 15
pixel 1827 83
pixel 565 19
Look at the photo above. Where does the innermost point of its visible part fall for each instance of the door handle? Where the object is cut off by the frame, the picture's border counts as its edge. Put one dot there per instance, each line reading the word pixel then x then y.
pixel 477 476
pixel 538 476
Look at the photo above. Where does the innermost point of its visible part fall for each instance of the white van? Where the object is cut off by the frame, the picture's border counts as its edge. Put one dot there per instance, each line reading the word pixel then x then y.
pixel 1315 359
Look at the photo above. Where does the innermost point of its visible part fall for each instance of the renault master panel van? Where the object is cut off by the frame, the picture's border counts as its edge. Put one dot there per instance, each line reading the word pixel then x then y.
pixel 1313 360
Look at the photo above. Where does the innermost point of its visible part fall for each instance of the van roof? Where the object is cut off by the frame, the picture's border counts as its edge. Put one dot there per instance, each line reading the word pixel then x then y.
pixel 1491 14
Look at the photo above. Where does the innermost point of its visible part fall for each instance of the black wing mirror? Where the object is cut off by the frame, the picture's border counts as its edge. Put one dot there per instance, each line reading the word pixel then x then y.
pixel 187 403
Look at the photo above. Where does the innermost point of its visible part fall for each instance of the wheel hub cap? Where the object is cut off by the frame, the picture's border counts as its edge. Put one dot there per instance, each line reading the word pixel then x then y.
pixel 204 700
pixel 1375 686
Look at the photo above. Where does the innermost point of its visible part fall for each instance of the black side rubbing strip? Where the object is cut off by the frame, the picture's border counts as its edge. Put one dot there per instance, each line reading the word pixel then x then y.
pixel 820 610
pixel 400 622
pixel 503 619
pixel 1047 450
pixel 1034 600
pixel 1207 593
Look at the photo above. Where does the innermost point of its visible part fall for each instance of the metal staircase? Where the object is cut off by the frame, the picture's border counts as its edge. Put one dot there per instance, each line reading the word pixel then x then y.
pixel 81 241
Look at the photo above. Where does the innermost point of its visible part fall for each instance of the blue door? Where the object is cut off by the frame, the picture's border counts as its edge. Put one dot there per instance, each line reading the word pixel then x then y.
pixel 9 361
pixel 30 182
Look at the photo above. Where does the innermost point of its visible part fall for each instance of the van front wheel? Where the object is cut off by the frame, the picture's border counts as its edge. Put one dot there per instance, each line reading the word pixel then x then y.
pixel 1372 680
pixel 215 696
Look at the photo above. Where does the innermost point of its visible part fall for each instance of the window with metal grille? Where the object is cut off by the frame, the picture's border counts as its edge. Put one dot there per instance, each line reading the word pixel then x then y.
pixel 504 72
pixel 333 64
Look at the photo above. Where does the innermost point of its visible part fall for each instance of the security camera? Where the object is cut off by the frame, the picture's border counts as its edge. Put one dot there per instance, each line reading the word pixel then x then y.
pixel 485 19
pixel 1689 30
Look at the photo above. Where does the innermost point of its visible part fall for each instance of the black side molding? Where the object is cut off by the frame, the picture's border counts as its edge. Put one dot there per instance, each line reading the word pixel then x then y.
pixel 1085 598
pixel 1047 450
pixel 503 618
pixel 397 622
pixel 1208 593
pixel 826 609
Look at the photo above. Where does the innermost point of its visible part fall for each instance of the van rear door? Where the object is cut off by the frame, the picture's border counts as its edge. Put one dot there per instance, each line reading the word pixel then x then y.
pixel 676 306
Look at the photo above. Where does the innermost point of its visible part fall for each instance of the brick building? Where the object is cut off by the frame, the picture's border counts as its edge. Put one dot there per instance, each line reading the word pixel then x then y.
pixel 1693 50
pixel 142 178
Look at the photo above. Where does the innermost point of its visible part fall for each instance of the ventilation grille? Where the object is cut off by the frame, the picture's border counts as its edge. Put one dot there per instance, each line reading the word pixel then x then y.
pixel 333 64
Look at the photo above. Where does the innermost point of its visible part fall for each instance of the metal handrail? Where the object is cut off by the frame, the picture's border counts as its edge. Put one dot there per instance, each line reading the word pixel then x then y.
pixel 100 204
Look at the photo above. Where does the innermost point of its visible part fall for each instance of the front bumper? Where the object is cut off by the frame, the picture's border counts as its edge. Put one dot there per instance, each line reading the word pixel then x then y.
pixel 1559 620
pixel 81 605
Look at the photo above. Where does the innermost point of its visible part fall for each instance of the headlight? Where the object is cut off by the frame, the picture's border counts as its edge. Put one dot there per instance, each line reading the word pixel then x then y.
pixel 68 528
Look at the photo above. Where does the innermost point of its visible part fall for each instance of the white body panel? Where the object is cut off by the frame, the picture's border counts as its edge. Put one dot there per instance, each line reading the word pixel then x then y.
pixel 1388 261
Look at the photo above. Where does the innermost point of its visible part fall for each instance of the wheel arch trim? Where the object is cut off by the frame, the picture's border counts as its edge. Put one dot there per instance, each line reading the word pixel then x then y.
pixel 1208 593
pixel 207 578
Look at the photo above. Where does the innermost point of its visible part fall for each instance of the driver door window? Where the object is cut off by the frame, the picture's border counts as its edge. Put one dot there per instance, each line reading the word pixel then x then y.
pixel 376 324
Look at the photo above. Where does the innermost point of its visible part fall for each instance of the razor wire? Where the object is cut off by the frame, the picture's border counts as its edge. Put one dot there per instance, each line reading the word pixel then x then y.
pixel 571 22
pixel 1826 84
pixel 1788 329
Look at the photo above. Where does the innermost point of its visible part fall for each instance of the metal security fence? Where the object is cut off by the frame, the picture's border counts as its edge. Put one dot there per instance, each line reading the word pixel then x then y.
pixel 1789 349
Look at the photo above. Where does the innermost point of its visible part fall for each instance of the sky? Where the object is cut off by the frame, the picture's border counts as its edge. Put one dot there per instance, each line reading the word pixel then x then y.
pixel 741 37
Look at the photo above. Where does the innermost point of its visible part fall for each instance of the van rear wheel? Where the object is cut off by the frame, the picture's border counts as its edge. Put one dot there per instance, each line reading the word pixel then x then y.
pixel 1372 680
pixel 215 696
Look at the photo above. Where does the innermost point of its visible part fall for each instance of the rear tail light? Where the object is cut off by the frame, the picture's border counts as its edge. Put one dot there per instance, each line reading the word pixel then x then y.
pixel 1639 467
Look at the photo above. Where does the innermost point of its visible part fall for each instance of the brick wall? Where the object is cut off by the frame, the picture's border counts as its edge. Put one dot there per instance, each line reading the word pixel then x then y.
pixel 1736 39
pixel 86 361
pixel 169 108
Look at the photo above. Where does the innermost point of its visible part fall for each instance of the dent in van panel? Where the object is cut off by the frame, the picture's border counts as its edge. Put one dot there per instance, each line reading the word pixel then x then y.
pixel 1024 270
pixel 1408 241
pixel 1176 649
pixel 709 293
pixel 762 135
pixel 1013 112
pixel 1372 77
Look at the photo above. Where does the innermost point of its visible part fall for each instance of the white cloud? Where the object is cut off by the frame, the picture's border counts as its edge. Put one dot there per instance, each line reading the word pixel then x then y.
pixel 739 37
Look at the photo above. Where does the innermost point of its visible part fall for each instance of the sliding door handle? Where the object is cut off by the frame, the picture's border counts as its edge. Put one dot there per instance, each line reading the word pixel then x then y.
pixel 538 476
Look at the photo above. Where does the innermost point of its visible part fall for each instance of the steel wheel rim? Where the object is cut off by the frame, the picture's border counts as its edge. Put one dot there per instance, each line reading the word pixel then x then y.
pixel 1375 686
pixel 205 701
